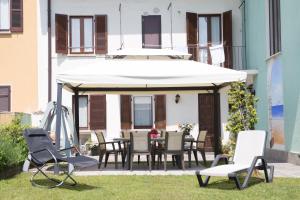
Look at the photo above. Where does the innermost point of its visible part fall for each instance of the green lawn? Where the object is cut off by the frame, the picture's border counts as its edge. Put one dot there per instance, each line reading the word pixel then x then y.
pixel 149 187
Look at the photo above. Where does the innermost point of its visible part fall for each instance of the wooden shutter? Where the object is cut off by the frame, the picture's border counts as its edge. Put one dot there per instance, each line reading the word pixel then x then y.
pixel 61 33
pixel 126 112
pixel 192 34
pixel 160 111
pixel 101 34
pixel 97 112
pixel 227 38
pixel 16 16
pixel 4 98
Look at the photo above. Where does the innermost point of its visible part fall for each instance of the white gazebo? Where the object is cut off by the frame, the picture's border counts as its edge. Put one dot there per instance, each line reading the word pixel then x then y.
pixel 141 75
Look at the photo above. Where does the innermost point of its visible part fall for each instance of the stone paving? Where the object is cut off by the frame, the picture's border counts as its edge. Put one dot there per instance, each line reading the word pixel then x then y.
pixel 281 169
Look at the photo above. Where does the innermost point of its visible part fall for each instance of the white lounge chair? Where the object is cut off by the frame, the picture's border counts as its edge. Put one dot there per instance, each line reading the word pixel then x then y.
pixel 248 155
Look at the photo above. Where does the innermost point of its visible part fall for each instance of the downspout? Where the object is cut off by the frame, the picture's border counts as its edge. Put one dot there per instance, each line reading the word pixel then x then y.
pixel 49 53
pixel 170 8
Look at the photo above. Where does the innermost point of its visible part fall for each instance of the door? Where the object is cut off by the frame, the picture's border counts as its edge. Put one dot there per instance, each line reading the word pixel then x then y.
pixel 209 30
pixel 151 31
pixel 209 119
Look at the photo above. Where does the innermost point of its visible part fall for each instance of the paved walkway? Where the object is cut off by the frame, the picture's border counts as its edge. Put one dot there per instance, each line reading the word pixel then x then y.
pixel 281 169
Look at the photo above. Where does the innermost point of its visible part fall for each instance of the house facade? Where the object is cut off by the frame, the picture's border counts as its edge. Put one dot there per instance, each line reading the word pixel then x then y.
pixel 273 52
pixel 18 56
pixel 84 32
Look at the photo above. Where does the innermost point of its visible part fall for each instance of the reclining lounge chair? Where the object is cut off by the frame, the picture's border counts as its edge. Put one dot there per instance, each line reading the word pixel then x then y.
pixel 42 152
pixel 248 156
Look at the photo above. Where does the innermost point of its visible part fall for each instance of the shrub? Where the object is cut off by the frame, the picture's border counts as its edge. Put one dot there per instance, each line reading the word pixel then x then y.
pixel 242 113
pixel 13 148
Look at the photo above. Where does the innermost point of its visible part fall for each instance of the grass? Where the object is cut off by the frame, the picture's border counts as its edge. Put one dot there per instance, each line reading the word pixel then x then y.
pixel 149 187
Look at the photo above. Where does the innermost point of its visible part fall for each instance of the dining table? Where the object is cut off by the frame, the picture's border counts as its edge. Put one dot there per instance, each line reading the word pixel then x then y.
pixel 154 140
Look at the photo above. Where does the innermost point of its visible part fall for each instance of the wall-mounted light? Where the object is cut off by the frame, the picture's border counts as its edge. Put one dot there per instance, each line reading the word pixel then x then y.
pixel 251 89
pixel 177 98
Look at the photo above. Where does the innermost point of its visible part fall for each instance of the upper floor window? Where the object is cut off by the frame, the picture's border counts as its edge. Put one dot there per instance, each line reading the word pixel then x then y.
pixel 81 35
pixel 87 34
pixel 274 26
pixel 11 15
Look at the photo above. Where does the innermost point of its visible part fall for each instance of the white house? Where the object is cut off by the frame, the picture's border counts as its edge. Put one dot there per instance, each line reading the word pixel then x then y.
pixel 83 33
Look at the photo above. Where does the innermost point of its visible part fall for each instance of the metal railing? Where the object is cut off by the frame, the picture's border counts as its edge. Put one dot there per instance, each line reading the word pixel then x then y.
pixel 235 56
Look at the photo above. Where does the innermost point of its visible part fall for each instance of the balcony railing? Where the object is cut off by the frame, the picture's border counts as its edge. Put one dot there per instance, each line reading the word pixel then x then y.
pixel 234 56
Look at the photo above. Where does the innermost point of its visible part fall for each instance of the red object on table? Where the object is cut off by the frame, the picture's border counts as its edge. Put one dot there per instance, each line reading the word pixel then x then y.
pixel 153 133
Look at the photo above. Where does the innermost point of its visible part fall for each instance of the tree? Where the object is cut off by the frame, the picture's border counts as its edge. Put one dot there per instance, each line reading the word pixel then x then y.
pixel 242 113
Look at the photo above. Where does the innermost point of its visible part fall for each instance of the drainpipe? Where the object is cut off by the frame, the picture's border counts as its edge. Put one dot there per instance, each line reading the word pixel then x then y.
pixel 170 8
pixel 49 53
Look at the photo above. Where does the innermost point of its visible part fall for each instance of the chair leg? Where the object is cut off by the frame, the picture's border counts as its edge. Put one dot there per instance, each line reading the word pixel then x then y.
pixel 200 181
pixel 196 157
pixel 203 155
pixel 182 161
pixel 123 159
pixel 139 158
pixel 116 160
pixel 165 161
pixel 173 160
pixel 106 159
pixel 131 161
pixel 190 158
pixel 150 163
pixel 101 155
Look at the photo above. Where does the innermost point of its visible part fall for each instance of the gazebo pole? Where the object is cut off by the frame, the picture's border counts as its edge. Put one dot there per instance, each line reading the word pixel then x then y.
pixel 76 113
pixel 217 121
pixel 58 121
pixel 58 115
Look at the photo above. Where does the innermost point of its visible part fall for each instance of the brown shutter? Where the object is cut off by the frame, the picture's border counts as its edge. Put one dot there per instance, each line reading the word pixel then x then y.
pixel 101 34
pixel 192 34
pixel 97 112
pixel 126 112
pixel 160 111
pixel 16 16
pixel 4 98
pixel 61 33
pixel 227 38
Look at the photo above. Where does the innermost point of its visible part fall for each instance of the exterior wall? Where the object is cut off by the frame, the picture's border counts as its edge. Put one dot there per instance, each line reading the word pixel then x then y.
pixel 257 58
pixel 132 11
pixel 18 62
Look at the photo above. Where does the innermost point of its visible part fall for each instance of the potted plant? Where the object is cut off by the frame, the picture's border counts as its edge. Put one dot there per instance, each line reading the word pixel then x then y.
pixel 186 128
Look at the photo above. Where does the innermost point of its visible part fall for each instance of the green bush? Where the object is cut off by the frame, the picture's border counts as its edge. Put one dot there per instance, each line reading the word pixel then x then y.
pixel 13 148
pixel 242 113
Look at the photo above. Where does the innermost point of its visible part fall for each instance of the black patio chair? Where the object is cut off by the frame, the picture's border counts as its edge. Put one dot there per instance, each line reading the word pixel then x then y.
pixel 43 152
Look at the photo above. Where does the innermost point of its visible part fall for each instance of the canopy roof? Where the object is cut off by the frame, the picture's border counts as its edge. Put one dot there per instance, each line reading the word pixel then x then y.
pixel 145 74
pixel 148 52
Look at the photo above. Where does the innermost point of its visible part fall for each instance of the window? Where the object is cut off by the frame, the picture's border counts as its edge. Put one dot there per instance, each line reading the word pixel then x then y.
pixel 4 15
pixel 81 35
pixel 143 114
pixel 87 34
pixel 209 30
pixel 83 111
pixel 11 15
pixel 4 98
pixel 274 26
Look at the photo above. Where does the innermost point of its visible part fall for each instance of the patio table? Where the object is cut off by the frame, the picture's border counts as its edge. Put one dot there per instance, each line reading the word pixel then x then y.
pixel 188 138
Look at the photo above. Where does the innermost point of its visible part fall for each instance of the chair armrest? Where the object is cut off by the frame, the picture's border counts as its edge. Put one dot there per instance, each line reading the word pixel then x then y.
pixel 199 141
pixel 47 150
pixel 112 143
pixel 218 158
pixel 69 148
